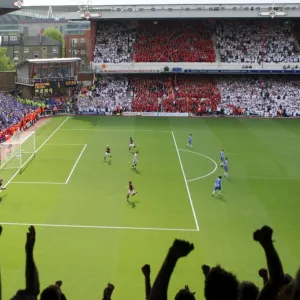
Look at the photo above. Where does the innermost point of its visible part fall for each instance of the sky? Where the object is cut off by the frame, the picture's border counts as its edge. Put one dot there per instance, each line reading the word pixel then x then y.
pixel 128 2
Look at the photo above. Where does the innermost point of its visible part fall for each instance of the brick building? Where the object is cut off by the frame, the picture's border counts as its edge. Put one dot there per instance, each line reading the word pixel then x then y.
pixel 77 37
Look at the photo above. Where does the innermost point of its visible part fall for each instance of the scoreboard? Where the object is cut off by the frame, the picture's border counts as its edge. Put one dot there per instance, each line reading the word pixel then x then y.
pixel 55 84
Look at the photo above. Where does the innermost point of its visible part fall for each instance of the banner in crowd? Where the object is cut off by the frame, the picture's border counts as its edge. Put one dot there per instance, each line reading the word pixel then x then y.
pixel 131 71
pixel 241 71
pixel 164 114
pixel 131 113
pixel 95 113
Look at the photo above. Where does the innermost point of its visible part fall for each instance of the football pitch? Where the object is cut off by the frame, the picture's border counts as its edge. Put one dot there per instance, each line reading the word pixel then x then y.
pixel 88 235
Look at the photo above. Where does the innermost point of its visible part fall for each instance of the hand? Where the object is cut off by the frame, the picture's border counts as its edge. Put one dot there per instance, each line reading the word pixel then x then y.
pixel 146 270
pixel 263 273
pixel 263 235
pixel 30 239
pixel 108 291
pixel 181 248
pixel 205 269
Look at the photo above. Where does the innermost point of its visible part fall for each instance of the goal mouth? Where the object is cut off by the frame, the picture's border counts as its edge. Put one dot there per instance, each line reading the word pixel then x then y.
pixel 18 151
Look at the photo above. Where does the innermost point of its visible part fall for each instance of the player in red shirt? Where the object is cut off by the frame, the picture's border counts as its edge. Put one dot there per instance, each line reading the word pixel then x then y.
pixel 131 144
pixel 107 152
pixel 1 183
pixel 131 191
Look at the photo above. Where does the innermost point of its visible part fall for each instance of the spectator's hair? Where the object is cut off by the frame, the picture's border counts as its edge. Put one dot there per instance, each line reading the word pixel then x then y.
pixel 248 291
pixel 220 284
pixel 184 294
pixel 52 292
pixel 287 279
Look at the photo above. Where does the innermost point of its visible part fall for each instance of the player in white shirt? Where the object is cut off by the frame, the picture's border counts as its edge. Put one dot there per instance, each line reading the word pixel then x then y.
pixel 135 160
pixel 131 144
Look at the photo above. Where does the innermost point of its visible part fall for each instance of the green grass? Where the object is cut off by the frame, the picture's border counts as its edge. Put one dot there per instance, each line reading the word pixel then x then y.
pixel 262 189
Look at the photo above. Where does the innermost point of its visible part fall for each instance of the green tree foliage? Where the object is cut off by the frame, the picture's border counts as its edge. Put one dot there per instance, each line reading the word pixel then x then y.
pixel 5 63
pixel 53 33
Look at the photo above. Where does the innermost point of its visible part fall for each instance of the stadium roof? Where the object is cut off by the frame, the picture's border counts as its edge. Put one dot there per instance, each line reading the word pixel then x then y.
pixel 147 2
pixel 7 6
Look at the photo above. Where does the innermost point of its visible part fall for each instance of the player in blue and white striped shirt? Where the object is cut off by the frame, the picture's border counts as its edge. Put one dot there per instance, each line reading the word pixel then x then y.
pixel 226 167
pixel 190 141
pixel 222 157
pixel 218 185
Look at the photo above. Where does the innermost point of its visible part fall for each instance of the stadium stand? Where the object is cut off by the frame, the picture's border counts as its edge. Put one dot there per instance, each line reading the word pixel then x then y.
pixel 251 95
pixel 174 41
pixel 14 115
pixel 263 96
pixel 110 93
pixel 114 43
pixel 254 41
pixel 147 41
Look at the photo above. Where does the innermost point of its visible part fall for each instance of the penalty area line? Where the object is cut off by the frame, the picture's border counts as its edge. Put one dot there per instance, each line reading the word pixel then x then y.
pixel 34 182
pixel 75 164
pixel 98 227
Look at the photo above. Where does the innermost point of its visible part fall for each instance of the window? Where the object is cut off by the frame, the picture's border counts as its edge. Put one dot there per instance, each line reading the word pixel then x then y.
pixel 5 38
pixel 74 52
pixel 83 51
pixel 82 41
pixel 26 50
pixel 55 50
pixel 16 50
pixel 74 40
pixel 13 38
pixel 36 54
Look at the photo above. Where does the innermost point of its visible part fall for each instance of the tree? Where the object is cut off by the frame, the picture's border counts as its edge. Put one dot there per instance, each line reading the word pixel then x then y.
pixel 5 63
pixel 53 33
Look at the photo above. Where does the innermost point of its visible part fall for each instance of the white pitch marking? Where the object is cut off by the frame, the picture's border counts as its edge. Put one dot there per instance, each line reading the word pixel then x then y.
pixel 185 181
pixel 75 164
pixel 33 182
pixel 14 175
pixel 116 130
pixel 52 134
pixel 99 227
pixel 58 145
pixel 214 170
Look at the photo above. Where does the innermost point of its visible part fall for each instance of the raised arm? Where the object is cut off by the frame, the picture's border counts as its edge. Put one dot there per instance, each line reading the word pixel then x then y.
pixel 272 287
pixel 160 287
pixel 108 291
pixel 31 273
pixel 146 271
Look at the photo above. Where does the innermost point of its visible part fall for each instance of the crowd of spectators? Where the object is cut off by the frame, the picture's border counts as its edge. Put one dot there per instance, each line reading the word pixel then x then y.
pixel 256 41
pixel 219 283
pixel 173 94
pixel 237 41
pixel 15 115
pixel 258 95
pixel 114 42
pixel 109 94
pixel 174 41
pixel 248 95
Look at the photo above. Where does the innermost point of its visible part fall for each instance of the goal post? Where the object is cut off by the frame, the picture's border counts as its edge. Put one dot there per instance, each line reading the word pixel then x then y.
pixel 17 152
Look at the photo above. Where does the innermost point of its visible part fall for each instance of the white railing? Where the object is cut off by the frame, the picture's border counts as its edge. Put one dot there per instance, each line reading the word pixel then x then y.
pixel 24 80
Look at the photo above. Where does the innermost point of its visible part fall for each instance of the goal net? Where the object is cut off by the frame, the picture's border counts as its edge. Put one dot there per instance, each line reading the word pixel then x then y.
pixel 18 151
